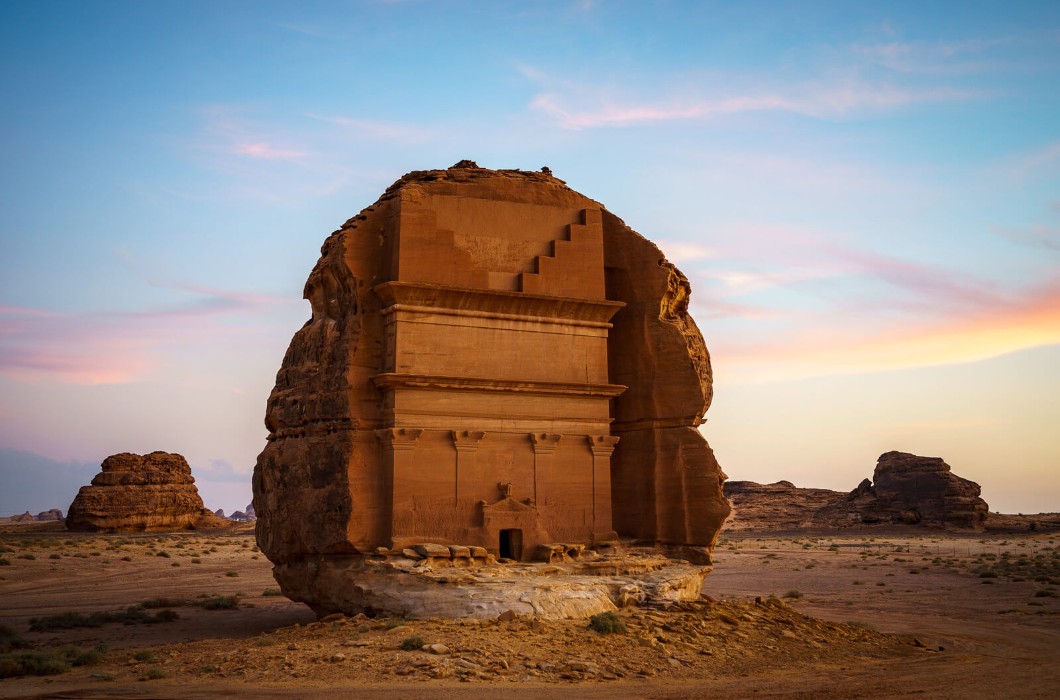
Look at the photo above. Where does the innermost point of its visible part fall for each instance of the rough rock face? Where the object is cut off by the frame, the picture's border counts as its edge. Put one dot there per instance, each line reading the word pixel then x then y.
pixel 493 360
pixel 910 489
pixel 155 491
pixel 778 506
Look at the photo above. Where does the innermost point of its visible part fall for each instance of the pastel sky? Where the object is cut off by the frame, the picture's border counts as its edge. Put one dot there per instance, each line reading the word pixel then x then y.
pixel 865 196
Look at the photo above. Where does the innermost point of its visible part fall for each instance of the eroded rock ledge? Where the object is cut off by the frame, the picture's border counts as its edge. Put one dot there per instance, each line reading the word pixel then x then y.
pixel 431 580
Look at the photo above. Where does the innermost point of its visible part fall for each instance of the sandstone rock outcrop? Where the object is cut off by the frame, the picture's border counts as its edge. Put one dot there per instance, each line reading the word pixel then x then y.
pixel 910 489
pixel 134 492
pixel 778 506
pixel 905 490
pixel 494 361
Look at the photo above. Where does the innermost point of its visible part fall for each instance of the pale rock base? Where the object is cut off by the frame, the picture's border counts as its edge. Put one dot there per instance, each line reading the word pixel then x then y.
pixel 416 590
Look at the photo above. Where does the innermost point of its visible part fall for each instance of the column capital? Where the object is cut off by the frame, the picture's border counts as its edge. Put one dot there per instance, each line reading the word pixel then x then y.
pixel 399 438
pixel 544 443
pixel 602 445
pixel 466 440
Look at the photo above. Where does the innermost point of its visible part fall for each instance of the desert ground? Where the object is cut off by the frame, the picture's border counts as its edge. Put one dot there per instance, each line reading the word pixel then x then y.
pixel 828 615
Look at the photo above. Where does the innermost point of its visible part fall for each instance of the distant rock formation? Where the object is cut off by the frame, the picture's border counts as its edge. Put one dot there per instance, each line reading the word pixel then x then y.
pixel 135 493
pixel 46 516
pixel 778 506
pixel 910 489
pixel 905 490
pixel 243 516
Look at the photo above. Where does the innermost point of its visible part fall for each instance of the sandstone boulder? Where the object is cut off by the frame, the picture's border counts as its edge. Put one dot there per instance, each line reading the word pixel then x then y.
pixel 519 339
pixel 134 492
pixel 911 489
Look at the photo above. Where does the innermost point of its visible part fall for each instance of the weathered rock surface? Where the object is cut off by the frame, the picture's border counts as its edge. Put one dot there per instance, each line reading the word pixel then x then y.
pixel 905 490
pixel 519 339
pixel 777 506
pixel 909 489
pixel 445 587
pixel 134 492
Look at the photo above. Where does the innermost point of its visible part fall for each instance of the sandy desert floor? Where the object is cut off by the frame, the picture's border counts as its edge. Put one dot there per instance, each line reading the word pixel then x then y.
pixel 862 616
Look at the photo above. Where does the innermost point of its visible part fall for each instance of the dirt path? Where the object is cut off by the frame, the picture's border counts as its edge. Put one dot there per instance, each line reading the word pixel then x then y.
pixel 906 597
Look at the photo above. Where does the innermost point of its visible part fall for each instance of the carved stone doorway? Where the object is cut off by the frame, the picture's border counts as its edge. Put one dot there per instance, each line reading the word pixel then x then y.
pixel 511 544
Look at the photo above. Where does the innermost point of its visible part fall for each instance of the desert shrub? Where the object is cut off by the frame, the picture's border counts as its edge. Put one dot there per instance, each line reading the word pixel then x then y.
pixel 30 557
pixel 163 553
pixel 132 615
pixel 271 592
pixel 145 656
pixel 232 574
pixel 33 663
pixel 10 639
pixel 166 615
pixel 219 602
pixel 55 556
pixel 793 593
pixel 607 623
pixel 153 674
pixel 65 621
pixel 163 602
pixel 413 643
pixel 1045 593
pixel 92 657
pixel 196 560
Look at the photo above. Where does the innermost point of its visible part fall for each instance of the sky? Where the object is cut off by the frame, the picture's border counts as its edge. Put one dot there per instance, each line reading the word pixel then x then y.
pixel 865 197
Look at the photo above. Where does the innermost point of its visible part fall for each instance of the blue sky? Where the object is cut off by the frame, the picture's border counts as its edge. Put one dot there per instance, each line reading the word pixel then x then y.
pixel 866 197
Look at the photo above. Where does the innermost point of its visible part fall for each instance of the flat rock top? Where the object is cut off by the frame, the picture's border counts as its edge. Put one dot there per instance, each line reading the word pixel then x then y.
pixel 127 469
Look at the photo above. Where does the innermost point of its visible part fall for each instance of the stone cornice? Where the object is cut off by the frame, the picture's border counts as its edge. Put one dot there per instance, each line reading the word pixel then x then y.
pixel 493 303
pixel 394 380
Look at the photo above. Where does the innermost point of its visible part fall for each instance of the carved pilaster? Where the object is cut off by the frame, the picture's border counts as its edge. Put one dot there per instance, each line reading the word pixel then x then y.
pixel 466 444
pixel 398 446
pixel 602 447
pixel 544 446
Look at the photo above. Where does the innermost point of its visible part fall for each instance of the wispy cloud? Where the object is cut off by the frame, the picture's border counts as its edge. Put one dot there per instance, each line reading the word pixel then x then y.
pixel 1046 156
pixel 933 57
pixel 267 151
pixel 110 347
pixel 577 106
pixel 1037 236
pixel 977 333
pixel 377 130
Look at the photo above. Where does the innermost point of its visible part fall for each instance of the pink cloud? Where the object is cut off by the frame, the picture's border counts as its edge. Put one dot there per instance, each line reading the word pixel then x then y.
pixel 835 346
pixel 1037 235
pixel 934 58
pixel 264 150
pixel 838 99
pixel 119 346
pixel 378 130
